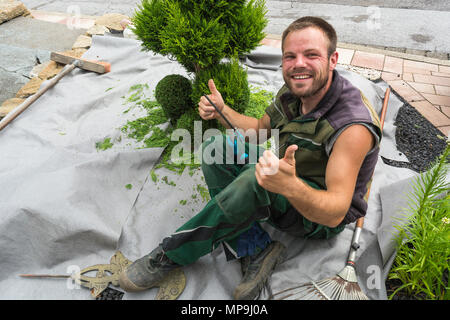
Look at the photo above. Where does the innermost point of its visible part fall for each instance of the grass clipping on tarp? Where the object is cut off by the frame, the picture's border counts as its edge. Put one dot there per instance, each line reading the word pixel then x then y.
pixel 152 129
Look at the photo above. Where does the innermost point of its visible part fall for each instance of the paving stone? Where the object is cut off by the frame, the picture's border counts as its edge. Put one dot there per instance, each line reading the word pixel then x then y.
pixel 394 65
pixel 422 87
pixel 445 130
pixel 9 105
pixel 30 88
pixel 10 9
pixel 437 118
pixel 39 35
pixel 420 65
pixel 368 60
pixel 38 69
pixel 416 70
pixel 112 21
pixel 444 69
pixel 82 42
pixel 446 110
pixel 51 70
pixel 443 81
pixel 407 76
pixel 345 55
pixel 97 30
pixel 440 74
pixel 387 76
pixel 437 99
pixel 442 90
pixel 16 64
pixel 404 90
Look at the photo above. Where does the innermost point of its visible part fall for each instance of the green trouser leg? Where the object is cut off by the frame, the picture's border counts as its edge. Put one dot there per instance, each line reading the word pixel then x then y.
pixel 235 198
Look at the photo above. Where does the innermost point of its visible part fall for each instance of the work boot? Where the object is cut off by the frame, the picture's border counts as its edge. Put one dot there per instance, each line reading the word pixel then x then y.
pixel 257 269
pixel 147 271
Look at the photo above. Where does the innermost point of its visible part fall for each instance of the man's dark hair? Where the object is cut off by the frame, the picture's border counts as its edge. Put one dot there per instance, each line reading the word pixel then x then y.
pixel 315 22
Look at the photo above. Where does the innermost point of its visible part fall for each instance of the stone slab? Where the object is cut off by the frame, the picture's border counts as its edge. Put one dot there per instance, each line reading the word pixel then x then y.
pixel 26 42
pixel 31 33
pixel 15 67
pixel 10 9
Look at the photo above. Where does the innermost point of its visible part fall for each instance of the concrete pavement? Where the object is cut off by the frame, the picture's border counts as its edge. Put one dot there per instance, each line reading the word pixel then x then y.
pixel 422 81
pixel 413 25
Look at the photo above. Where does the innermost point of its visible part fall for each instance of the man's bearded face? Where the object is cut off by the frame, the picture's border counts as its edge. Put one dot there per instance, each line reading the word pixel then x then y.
pixel 305 62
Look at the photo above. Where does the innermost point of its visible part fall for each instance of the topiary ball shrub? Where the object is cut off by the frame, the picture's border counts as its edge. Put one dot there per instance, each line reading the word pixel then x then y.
pixel 173 92
pixel 231 81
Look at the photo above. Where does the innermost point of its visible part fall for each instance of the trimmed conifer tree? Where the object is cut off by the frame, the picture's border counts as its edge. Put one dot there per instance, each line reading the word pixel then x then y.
pixel 200 33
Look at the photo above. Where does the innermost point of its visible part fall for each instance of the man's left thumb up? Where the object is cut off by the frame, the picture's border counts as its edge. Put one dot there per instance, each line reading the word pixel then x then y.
pixel 289 155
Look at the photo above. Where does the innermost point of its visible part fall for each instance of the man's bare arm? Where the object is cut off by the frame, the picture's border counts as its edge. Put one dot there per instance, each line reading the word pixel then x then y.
pixel 326 207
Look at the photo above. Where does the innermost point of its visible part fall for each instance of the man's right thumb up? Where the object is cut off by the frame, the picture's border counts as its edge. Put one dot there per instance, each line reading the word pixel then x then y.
pixel 212 87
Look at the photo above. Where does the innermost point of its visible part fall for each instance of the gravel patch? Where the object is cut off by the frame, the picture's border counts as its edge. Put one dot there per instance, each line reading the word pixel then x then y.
pixel 416 138
pixel 110 294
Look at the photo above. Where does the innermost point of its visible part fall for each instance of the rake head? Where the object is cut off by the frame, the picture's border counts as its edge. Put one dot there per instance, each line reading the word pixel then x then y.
pixel 341 287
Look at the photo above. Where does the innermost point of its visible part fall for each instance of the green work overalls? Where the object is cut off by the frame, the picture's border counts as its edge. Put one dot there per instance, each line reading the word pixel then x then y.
pixel 237 203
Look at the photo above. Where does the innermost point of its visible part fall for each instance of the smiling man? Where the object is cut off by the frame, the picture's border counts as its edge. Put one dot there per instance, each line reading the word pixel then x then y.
pixel 330 136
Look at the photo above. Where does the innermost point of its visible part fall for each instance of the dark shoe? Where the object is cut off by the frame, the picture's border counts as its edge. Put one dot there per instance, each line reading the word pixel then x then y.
pixel 257 269
pixel 147 271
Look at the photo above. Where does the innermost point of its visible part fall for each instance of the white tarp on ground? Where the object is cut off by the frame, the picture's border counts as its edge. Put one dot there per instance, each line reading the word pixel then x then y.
pixel 64 204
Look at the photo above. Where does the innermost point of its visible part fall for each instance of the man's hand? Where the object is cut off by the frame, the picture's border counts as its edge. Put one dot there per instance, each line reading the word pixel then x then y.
pixel 276 175
pixel 205 109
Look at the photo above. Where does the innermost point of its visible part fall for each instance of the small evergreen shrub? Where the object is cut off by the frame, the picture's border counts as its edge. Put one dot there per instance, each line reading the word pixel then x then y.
pixel 200 33
pixel 231 81
pixel 173 92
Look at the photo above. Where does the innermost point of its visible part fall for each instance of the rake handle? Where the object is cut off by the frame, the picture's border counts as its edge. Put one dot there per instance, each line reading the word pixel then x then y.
pixel 24 105
pixel 360 221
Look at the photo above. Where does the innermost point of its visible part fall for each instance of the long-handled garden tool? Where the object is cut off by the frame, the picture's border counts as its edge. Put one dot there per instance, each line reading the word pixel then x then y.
pixel 343 286
pixel 70 64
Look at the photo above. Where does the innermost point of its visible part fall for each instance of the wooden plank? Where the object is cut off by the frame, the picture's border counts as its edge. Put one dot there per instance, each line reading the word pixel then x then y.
pixel 97 67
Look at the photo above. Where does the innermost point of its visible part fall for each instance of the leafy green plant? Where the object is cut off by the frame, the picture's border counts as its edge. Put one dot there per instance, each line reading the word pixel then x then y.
pixel 231 81
pixel 259 100
pixel 173 92
pixel 423 250
pixel 200 33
